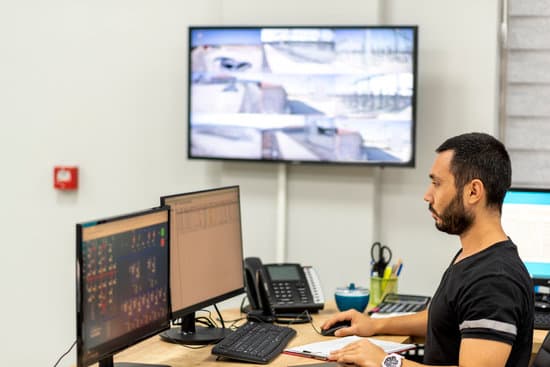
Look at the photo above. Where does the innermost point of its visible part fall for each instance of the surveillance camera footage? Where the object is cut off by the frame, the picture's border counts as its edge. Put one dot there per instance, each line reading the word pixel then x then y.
pixel 342 95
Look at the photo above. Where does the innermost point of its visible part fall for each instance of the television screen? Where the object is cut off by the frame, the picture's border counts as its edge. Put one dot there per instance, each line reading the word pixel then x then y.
pixel 303 94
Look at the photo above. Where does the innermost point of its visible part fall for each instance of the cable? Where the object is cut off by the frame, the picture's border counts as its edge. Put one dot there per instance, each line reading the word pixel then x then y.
pixel 64 354
pixel 219 315
pixel 206 320
pixel 189 346
pixel 317 330
pixel 301 318
pixel 242 308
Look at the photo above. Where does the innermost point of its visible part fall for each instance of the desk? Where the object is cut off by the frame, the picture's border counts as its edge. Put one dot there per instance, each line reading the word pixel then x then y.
pixel 538 338
pixel 154 350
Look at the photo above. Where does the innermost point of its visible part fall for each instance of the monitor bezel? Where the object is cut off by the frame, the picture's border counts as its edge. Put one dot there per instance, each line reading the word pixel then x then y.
pixel 530 264
pixel 183 312
pixel 529 189
pixel 408 164
pixel 112 347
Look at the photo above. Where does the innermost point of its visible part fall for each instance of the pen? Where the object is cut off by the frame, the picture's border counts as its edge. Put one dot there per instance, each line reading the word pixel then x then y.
pixel 399 269
pixel 374 310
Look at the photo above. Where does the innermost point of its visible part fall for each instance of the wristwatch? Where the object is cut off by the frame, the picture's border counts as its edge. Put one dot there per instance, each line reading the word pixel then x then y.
pixel 392 360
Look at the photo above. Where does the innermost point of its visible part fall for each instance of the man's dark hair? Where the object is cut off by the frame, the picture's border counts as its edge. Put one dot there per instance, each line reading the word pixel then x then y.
pixel 481 156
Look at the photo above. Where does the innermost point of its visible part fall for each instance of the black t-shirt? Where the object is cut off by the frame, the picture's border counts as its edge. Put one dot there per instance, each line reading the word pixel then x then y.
pixel 488 295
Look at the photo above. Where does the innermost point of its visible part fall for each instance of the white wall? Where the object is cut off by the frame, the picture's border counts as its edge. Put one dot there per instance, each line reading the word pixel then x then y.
pixel 458 68
pixel 102 85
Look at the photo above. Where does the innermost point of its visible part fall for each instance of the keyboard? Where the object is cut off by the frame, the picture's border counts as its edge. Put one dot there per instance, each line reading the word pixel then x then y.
pixel 542 320
pixel 255 342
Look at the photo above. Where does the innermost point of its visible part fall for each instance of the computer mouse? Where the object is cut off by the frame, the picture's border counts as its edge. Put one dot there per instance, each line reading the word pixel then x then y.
pixel 338 325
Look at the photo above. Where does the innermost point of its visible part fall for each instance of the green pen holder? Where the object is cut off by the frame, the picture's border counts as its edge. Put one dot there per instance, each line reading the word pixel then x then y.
pixel 379 287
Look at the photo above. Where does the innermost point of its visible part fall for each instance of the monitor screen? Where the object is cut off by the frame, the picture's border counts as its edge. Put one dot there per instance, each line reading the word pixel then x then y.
pixel 122 283
pixel 340 95
pixel 526 220
pixel 206 258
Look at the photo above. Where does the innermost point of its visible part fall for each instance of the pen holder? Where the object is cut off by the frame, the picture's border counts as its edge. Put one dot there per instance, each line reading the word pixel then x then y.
pixel 379 287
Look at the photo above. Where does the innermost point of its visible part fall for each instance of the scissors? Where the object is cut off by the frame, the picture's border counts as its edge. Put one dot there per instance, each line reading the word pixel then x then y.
pixel 381 257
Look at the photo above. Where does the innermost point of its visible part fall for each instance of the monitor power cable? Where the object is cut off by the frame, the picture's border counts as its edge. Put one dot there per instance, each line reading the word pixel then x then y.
pixel 64 354
pixel 209 322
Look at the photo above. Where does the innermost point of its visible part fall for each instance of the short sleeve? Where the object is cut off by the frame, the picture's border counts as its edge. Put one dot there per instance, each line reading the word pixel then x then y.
pixel 491 309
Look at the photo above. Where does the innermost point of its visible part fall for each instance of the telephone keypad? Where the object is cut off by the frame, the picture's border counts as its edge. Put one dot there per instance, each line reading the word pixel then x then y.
pixel 293 288
pixel 290 292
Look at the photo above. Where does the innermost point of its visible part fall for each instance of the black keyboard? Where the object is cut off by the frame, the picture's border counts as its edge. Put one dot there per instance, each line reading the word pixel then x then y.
pixel 542 320
pixel 255 342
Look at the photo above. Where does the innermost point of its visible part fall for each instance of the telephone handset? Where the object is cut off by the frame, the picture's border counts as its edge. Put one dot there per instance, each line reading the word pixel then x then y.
pixel 276 289
pixel 258 294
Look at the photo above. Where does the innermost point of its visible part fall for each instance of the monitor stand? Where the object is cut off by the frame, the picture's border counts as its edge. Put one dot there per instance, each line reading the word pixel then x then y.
pixel 190 334
pixel 108 362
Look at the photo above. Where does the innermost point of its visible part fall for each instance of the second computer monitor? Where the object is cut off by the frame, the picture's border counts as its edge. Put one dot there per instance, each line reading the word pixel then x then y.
pixel 526 219
pixel 122 284
pixel 206 258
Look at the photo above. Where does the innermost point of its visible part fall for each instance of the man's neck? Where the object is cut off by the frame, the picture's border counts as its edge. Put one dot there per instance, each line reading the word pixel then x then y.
pixel 481 236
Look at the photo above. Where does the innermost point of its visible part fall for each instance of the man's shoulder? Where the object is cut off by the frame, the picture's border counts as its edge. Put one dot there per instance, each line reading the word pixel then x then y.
pixel 500 260
pixel 502 252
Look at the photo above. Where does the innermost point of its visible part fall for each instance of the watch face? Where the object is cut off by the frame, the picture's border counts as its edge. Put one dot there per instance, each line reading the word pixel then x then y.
pixel 392 361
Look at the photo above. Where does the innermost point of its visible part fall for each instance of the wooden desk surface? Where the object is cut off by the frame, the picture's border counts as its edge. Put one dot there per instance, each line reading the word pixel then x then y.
pixel 154 350
pixel 538 338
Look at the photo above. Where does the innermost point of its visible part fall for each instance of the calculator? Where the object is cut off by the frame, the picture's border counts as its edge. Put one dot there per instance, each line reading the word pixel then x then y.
pixel 394 302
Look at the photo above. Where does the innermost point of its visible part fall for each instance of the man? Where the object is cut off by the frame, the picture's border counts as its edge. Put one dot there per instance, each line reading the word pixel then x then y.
pixel 482 312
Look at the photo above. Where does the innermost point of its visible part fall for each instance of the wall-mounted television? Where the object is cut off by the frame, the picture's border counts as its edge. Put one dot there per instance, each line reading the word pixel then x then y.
pixel 308 94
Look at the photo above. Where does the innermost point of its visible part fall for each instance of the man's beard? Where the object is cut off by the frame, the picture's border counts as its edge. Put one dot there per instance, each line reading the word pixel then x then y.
pixel 454 218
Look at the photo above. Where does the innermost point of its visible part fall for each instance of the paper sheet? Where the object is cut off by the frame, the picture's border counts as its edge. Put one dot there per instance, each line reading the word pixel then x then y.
pixel 380 315
pixel 321 350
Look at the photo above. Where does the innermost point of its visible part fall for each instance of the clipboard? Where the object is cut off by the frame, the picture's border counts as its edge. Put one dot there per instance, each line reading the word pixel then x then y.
pixel 321 350
pixel 323 364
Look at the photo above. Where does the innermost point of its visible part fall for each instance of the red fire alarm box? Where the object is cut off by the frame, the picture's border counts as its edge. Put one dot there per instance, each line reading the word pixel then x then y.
pixel 65 177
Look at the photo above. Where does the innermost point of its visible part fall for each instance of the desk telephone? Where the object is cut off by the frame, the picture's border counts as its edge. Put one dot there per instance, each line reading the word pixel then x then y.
pixel 281 290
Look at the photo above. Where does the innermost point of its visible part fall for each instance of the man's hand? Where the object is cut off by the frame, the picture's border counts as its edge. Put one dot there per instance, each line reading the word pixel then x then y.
pixel 361 353
pixel 361 324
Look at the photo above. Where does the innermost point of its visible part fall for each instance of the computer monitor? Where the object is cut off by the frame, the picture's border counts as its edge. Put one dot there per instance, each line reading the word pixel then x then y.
pixel 122 284
pixel 526 220
pixel 206 258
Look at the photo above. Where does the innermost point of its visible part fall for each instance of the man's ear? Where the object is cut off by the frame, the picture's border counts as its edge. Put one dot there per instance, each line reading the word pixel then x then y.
pixel 474 191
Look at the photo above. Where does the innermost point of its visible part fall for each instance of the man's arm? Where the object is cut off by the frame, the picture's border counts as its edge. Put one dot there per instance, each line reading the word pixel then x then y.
pixel 473 353
pixel 414 325
pixel 483 352
pixel 363 325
